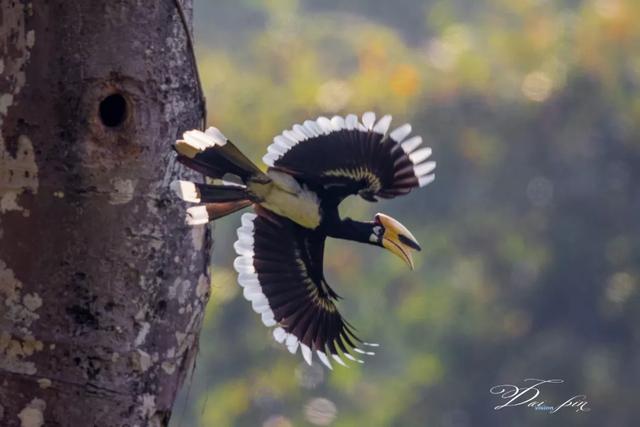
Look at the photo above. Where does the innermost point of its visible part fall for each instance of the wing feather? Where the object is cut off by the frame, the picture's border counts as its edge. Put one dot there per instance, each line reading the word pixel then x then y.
pixel 280 266
pixel 342 156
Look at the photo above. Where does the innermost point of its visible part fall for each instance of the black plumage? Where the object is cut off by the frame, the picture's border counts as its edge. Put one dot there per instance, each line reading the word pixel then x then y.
pixel 363 163
pixel 312 168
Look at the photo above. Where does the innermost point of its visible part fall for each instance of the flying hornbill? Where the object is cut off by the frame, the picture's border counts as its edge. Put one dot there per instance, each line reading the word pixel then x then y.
pixel 280 247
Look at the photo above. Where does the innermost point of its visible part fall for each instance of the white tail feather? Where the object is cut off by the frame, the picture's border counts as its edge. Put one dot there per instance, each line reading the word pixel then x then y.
pixel 186 190
pixel 197 215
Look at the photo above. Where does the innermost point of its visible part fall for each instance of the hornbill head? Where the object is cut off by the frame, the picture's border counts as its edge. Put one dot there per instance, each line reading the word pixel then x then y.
pixel 392 235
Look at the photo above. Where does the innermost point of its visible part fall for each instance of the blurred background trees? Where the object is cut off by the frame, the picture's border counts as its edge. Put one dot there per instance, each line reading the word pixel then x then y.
pixel 532 258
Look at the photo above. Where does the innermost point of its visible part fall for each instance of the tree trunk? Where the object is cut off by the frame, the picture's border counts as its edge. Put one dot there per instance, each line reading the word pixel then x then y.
pixel 102 286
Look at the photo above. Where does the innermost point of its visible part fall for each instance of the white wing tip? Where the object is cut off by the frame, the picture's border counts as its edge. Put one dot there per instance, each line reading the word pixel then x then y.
pixel 351 122
pixel 368 119
pixel 383 124
pixel 279 334
pixel 426 179
pixel 268 319
pixel 420 155
pixel 424 168
pixel 267 159
pixel 338 123
pixel 411 144
pixel 368 353
pixel 339 360
pixel 247 277
pixel 324 359
pixel 292 343
pixel 400 133
pixel 306 353
pixel 247 221
pixel 324 124
pixel 350 357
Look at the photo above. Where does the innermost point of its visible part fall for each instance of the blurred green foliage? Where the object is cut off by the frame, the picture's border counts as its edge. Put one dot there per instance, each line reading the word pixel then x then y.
pixel 531 230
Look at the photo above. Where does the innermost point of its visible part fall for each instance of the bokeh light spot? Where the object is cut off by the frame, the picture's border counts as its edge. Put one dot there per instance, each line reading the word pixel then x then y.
pixel 333 95
pixel 608 8
pixel 320 411
pixel 537 86
pixel 620 287
pixel 277 421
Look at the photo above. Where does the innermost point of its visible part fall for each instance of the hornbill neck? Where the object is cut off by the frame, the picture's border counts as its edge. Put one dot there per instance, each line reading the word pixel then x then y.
pixel 349 229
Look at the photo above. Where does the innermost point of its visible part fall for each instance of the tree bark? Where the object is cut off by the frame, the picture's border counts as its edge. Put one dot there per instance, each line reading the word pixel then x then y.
pixel 102 286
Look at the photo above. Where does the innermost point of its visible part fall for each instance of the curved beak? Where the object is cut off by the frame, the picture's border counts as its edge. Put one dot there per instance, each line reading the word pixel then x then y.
pixel 398 239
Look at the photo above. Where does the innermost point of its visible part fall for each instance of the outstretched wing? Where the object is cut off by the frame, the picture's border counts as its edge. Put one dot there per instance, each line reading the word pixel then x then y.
pixel 280 269
pixel 343 156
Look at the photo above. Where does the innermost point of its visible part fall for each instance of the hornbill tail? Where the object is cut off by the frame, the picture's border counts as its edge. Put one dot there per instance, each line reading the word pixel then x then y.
pixel 202 214
pixel 195 192
pixel 212 154
pixel 220 200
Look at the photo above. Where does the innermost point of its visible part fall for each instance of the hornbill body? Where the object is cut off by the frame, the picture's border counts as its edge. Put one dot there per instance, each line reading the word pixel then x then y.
pixel 312 167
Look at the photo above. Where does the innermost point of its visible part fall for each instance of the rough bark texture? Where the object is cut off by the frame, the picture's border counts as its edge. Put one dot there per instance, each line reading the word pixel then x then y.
pixel 102 287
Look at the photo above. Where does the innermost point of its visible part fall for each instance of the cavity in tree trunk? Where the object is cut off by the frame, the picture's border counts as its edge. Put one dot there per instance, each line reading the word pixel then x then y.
pixel 102 286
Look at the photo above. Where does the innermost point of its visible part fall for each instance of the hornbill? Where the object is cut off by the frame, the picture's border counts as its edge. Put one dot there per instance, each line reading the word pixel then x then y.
pixel 312 167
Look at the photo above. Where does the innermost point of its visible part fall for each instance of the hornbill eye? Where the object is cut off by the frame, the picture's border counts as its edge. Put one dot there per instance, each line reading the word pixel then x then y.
pixel 397 238
pixel 377 234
